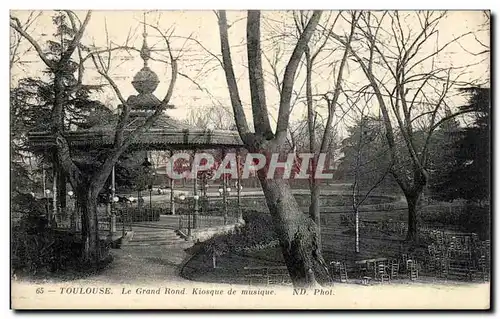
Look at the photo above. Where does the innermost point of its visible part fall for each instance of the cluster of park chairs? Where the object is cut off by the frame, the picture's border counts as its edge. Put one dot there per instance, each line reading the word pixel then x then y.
pixel 458 256
pixel 267 276
pixel 381 270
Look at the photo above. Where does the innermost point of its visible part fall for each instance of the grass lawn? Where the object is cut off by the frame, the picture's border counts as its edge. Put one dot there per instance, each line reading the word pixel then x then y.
pixel 338 245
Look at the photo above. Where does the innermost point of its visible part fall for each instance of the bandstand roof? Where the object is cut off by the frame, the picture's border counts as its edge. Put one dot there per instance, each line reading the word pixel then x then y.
pixel 166 133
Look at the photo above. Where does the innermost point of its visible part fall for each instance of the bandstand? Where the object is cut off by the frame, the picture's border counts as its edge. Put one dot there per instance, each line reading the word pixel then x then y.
pixel 166 134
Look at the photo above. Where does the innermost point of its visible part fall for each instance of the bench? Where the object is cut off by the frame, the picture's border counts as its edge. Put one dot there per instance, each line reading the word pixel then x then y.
pixel 267 275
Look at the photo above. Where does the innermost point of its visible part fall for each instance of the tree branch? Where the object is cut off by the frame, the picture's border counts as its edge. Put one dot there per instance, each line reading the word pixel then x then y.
pixel 239 114
pixel 75 41
pixel 16 25
pixel 289 75
pixel 257 89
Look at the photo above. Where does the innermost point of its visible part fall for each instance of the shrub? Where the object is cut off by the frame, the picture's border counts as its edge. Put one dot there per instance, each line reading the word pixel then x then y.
pixel 257 232
pixel 36 248
pixel 467 217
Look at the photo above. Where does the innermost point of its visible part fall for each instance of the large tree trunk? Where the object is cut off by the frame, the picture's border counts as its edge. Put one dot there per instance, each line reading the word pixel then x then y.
pixel 313 183
pixel 314 213
pixel 297 235
pixel 412 199
pixel 87 202
pixel 413 195
pixel 61 188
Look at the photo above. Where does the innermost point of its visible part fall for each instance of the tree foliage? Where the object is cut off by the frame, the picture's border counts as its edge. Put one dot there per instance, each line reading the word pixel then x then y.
pixel 467 175
pixel 31 102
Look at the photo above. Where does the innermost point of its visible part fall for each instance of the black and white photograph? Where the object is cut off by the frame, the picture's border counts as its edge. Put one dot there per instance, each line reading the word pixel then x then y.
pixel 222 159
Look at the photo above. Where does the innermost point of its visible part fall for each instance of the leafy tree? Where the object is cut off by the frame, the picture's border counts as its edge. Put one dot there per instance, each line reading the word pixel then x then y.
pixel 31 101
pixel 468 174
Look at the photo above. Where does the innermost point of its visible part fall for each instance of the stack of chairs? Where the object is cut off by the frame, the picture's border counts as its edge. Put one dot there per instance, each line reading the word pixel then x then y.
pixel 440 239
pixel 404 261
pixel 278 276
pixel 460 268
pixel 257 277
pixel 343 272
pixel 444 265
pixel 484 268
pixel 404 258
pixel 432 264
pixel 382 273
pixel 412 268
pixel 394 264
pixel 267 276
pixel 484 260
pixel 339 270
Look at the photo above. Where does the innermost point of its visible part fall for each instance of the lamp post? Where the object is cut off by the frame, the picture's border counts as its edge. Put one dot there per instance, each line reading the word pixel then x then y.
pixel 221 193
pixel 150 188
pixel 226 206
pixel 182 197
pixel 196 210
pixel 172 202
pixel 132 213
pixel 224 199
pixel 114 200
pixel 196 198
pixel 224 192
pixel 72 219
pixel 47 205
pixel 239 188
pixel 147 170
pixel 238 185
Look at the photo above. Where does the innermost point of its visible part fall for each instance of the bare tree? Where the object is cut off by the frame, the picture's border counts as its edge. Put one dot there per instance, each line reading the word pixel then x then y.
pixel 296 232
pixel 365 156
pixel 312 52
pixel 215 117
pixel 16 39
pixel 87 187
pixel 399 54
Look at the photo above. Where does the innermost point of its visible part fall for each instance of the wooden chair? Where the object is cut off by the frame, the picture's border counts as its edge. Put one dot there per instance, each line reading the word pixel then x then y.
pixel 334 267
pixel 412 269
pixel 343 272
pixel 404 260
pixel 382 273
pixel 277 276
pixel 394 269
pixel 484 268
pixel 256 276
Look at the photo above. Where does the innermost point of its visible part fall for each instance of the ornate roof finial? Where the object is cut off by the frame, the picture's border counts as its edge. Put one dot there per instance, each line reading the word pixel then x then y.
pixel 145 81
pixel 145 51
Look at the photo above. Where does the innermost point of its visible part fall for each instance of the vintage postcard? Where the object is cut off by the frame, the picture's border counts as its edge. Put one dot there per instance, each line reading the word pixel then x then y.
pixel 250 159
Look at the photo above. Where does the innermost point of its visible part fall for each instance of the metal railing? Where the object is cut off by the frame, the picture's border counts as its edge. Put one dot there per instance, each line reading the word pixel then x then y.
pixel 72 222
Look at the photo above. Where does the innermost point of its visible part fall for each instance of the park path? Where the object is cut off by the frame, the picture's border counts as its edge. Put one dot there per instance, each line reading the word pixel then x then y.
pixel 154 254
